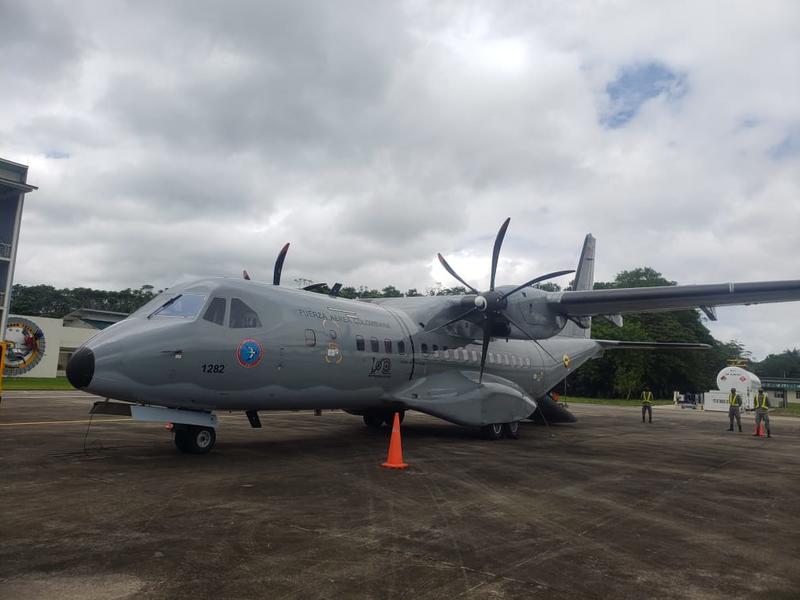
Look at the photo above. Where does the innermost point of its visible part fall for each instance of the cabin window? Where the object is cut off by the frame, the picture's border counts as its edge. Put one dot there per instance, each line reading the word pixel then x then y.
pixel 387 346
pixel 215 313
pixel 182 305
pixel 374 345
pixel 311 337
pixel 424 348
pixel 505 359
pixel 474 355
pixel 242 316
pixel 360 343
pixel 446 354
pixel 435 348
pixel 332 333
pixel 514 360
pixel 527 362
pixel 490 357
pixel 401 347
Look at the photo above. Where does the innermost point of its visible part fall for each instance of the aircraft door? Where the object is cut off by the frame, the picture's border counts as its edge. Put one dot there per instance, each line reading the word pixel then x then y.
pixel 536 381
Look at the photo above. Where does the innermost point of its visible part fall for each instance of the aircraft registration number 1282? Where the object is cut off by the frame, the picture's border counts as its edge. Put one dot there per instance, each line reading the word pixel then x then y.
pixel 209 368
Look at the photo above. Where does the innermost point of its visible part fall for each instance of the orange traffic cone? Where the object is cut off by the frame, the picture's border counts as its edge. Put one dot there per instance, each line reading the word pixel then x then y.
pixel 395 458
pixel 761 432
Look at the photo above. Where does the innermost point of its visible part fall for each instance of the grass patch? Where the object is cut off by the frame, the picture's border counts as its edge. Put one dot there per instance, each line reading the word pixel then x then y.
pixel 793 410
pixel 36 383
pixel 610 401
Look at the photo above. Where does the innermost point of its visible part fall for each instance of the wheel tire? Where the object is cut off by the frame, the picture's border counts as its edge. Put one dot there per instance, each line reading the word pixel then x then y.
pixel 511 430
pixel 373 420
pixel 493 431
pixel 182 441
pixel 389 418
pixel 195 440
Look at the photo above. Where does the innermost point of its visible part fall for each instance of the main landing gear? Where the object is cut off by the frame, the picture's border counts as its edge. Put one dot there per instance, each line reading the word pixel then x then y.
pixel 377 419
pixel 194 439
pixel 495 431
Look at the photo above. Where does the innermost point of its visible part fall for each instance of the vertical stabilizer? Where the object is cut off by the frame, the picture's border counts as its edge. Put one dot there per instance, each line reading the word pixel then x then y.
pixel 584 280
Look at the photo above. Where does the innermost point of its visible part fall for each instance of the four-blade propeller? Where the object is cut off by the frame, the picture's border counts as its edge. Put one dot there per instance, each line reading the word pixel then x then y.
pixel 492 304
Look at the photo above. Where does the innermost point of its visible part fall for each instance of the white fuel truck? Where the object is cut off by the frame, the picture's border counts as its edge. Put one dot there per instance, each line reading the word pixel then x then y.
pixel 745 382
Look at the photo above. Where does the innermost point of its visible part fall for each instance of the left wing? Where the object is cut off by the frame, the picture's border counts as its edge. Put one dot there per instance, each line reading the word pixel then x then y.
pixel 666 298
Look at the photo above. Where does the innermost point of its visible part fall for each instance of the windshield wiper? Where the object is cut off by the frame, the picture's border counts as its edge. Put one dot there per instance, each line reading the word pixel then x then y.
pixel 169 302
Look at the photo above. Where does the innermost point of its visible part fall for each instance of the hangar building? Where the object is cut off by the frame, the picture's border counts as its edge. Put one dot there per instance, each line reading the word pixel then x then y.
pixel 13 187
pixel 42 346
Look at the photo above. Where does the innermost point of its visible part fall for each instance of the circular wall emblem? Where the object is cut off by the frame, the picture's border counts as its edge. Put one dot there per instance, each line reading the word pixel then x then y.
pixel 249 353
pixel 26 346
pixel 566 360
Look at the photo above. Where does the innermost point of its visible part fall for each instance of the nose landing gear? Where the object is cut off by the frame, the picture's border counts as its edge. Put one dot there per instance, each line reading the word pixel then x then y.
pixel 194 439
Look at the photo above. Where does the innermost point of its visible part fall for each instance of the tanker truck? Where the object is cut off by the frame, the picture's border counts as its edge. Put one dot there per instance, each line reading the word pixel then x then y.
pixel 745 382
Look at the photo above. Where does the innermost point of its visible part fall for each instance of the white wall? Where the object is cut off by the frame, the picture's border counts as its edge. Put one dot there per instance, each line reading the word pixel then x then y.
pixel 56 336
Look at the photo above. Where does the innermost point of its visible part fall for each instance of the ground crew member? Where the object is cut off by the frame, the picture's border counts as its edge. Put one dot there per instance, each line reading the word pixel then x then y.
pixel 647 403
pixel 762 410
pixel 735 404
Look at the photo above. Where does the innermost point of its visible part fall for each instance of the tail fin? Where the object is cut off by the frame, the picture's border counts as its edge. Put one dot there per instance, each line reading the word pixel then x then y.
pixel 584 280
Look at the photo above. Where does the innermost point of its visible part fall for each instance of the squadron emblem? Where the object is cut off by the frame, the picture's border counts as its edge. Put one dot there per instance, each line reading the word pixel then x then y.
pixel 249 353
pixel 566 360
pixel 26 346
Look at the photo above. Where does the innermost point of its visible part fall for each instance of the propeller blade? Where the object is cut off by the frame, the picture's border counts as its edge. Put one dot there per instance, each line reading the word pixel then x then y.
pixel 533 339
pixel 498 243
pixel 276 276
pixel 315 287
pixel 537 280
pixel 487 336
pixel 450 270
pixel 246 275
pixel 451 321
pixel 337 287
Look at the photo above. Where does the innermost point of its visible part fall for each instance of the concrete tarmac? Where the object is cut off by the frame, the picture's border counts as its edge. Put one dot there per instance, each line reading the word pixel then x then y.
pixel 604 508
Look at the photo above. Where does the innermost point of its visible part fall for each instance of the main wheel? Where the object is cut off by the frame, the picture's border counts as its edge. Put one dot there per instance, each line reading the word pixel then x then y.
pixel 493 431
pixel 373 420
pixel 511 430
pixel 194 439
pixel 389 418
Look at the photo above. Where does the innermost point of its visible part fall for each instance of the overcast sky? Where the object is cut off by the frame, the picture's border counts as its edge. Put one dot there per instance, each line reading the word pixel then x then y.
pixel 172 140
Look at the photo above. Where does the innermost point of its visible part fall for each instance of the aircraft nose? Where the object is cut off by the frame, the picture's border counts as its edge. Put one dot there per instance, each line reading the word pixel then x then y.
pixel 80 368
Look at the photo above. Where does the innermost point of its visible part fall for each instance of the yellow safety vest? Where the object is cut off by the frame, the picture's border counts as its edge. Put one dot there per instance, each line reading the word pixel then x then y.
pixel 732 399
pixel 761 401
pixel 647 398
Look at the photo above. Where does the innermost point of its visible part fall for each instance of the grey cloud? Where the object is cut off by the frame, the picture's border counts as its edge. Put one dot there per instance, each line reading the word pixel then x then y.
pixel 201 136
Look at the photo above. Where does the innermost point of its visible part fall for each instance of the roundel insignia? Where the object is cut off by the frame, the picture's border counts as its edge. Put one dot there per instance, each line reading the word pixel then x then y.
pixel 249 353
pixel 566 360
pixel 25 348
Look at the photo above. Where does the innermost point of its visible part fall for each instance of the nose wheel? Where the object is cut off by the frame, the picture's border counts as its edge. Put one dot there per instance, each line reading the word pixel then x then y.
pixel 192 439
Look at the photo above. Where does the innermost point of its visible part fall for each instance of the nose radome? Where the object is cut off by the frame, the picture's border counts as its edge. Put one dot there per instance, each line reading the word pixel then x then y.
pixel 80 368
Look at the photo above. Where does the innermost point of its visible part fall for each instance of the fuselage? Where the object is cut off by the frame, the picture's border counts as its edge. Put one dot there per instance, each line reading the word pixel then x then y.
pixel 227 344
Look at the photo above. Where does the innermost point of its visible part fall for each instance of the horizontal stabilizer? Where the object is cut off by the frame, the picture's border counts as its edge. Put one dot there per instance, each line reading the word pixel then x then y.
pixel 624 345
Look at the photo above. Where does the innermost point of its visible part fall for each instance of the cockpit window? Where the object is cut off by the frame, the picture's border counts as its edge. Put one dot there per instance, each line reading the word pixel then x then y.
pixel 216 311
pixel 183 305
pixel 242 316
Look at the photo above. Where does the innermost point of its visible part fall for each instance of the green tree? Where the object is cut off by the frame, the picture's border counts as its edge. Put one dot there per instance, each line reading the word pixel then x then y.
pixel 785 364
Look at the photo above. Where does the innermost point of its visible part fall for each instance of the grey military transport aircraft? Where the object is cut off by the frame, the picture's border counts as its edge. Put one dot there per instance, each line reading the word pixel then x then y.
pixel 485 359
